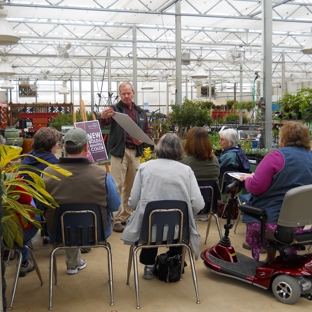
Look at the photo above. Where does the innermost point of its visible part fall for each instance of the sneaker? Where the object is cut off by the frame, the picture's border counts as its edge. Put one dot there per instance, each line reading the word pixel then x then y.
pixel 203 218
pixel 118 227
pixel 46 241
pixel 80 266
pixel 148 272
pixel 25 268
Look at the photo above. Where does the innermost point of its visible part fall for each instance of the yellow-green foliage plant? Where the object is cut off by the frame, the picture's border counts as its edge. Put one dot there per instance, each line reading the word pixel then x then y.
pixel 13 186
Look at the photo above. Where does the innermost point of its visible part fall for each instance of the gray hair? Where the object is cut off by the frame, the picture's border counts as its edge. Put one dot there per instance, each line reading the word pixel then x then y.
pixel 169 146
pixel 231 136
pixel 123 84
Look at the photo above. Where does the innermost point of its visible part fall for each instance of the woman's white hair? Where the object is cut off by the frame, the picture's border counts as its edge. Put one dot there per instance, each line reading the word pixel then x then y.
pixel 231 136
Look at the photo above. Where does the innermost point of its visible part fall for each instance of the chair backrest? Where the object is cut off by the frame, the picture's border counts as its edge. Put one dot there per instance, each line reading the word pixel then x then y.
pixel 225 180
pixel 295 212
pixel 211 193
pixel 296 208
pixel 165 222
pixel 78 225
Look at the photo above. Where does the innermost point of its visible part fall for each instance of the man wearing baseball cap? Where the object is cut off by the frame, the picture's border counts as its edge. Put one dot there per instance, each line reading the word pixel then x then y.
pixel 89 183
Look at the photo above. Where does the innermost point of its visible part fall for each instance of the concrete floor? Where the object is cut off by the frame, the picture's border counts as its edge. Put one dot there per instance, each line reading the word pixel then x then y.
pixel 88 290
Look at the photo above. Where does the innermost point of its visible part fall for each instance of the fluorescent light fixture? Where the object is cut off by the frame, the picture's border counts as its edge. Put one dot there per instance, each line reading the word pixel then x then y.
pixel 64 89
pixel 7 35
pixel 199 72
pixel 6 69
pixel 7 85
pixel 147 86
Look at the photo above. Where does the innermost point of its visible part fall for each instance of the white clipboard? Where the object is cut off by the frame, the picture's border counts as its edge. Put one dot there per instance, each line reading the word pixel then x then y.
pixel 132 128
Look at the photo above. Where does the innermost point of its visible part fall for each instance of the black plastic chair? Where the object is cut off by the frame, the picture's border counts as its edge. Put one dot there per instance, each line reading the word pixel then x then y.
pixel 79 226
pixel 211 194
pixel 18 251
pixel 165 224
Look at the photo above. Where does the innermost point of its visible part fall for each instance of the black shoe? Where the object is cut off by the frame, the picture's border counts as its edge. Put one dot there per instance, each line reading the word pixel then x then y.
pixel 85 250
pixel 46 241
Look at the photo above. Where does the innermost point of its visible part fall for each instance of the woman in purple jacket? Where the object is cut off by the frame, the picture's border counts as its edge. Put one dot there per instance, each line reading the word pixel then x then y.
pixel 282 169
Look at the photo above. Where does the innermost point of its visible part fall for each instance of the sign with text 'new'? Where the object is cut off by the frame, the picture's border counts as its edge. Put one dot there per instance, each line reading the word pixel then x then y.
pixel 97 150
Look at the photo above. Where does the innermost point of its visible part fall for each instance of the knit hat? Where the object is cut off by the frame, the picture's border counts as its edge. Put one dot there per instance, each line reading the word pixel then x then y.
pixel 77 136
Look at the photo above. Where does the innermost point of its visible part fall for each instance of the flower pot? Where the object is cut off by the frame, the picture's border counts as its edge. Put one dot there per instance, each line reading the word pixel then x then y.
pixel 14 141
pixel 12 133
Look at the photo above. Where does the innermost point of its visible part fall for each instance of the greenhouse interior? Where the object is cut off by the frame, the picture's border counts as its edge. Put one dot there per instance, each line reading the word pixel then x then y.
pixel 217 64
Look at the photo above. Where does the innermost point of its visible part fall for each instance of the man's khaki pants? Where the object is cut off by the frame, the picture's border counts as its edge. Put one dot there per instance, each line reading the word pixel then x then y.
pixel 123 171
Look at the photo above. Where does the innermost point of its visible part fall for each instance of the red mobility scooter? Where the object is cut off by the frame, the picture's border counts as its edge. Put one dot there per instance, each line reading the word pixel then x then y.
pixel 289 277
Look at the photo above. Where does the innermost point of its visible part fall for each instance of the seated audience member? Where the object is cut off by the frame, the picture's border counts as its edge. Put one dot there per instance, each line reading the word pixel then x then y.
pixel 163 178
pixel 232 158
pixel 199 155
pixel 44 146
pixel 282 169
pixel 89 183
pixel 29 231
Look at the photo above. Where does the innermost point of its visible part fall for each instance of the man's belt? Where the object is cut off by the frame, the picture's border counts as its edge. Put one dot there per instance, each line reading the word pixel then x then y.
pixel 129 146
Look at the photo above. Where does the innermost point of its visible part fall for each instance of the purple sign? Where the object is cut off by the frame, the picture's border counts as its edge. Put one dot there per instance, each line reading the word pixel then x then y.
pixel 97 150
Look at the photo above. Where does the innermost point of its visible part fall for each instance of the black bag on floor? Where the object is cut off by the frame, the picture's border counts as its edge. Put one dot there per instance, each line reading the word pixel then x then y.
pixel 167 268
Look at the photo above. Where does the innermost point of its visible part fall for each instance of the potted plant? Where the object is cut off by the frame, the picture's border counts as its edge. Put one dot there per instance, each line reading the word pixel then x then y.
pixel 67 120
pixel 190 113
pixel 12 187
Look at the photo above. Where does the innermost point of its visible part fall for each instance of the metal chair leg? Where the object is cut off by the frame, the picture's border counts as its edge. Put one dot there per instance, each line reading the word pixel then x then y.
pixel 129 263
pixel 52 268
pixel 218 225
pixel 238 216
pixel 110 273
pixel 9 257
pixel 237 220
pixel 193 273
pixel 208 228
pixel 208 225
pixel 136 277
pixel 18 268
pixel 35 263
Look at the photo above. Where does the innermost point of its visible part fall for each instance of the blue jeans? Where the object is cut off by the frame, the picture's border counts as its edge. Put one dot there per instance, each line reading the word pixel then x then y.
pixel 28 235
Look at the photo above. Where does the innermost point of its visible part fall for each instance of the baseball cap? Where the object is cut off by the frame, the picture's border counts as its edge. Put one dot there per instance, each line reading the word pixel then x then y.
pixel 77 136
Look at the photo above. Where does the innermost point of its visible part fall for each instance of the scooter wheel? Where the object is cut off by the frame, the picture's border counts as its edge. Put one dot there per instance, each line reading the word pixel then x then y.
pixel 286 289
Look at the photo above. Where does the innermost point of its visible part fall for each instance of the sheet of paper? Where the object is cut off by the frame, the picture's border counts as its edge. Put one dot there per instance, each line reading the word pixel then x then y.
pixel 132 128
pixel 236 175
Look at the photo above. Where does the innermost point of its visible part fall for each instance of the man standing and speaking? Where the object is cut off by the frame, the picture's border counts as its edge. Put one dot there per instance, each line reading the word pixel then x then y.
pixel 124 149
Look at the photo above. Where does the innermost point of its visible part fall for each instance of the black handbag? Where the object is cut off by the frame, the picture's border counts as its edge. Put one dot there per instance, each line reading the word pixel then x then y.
pixel 167 268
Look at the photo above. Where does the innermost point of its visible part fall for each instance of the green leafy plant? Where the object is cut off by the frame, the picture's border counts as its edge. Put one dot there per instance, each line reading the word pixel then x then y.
pixel 67 120
pixel 230 103
pixel 13 186
pixel 248 105
pixel 159 126
pixel 214 138
pixel 190 113
pixel 246 145
pixel 259 152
